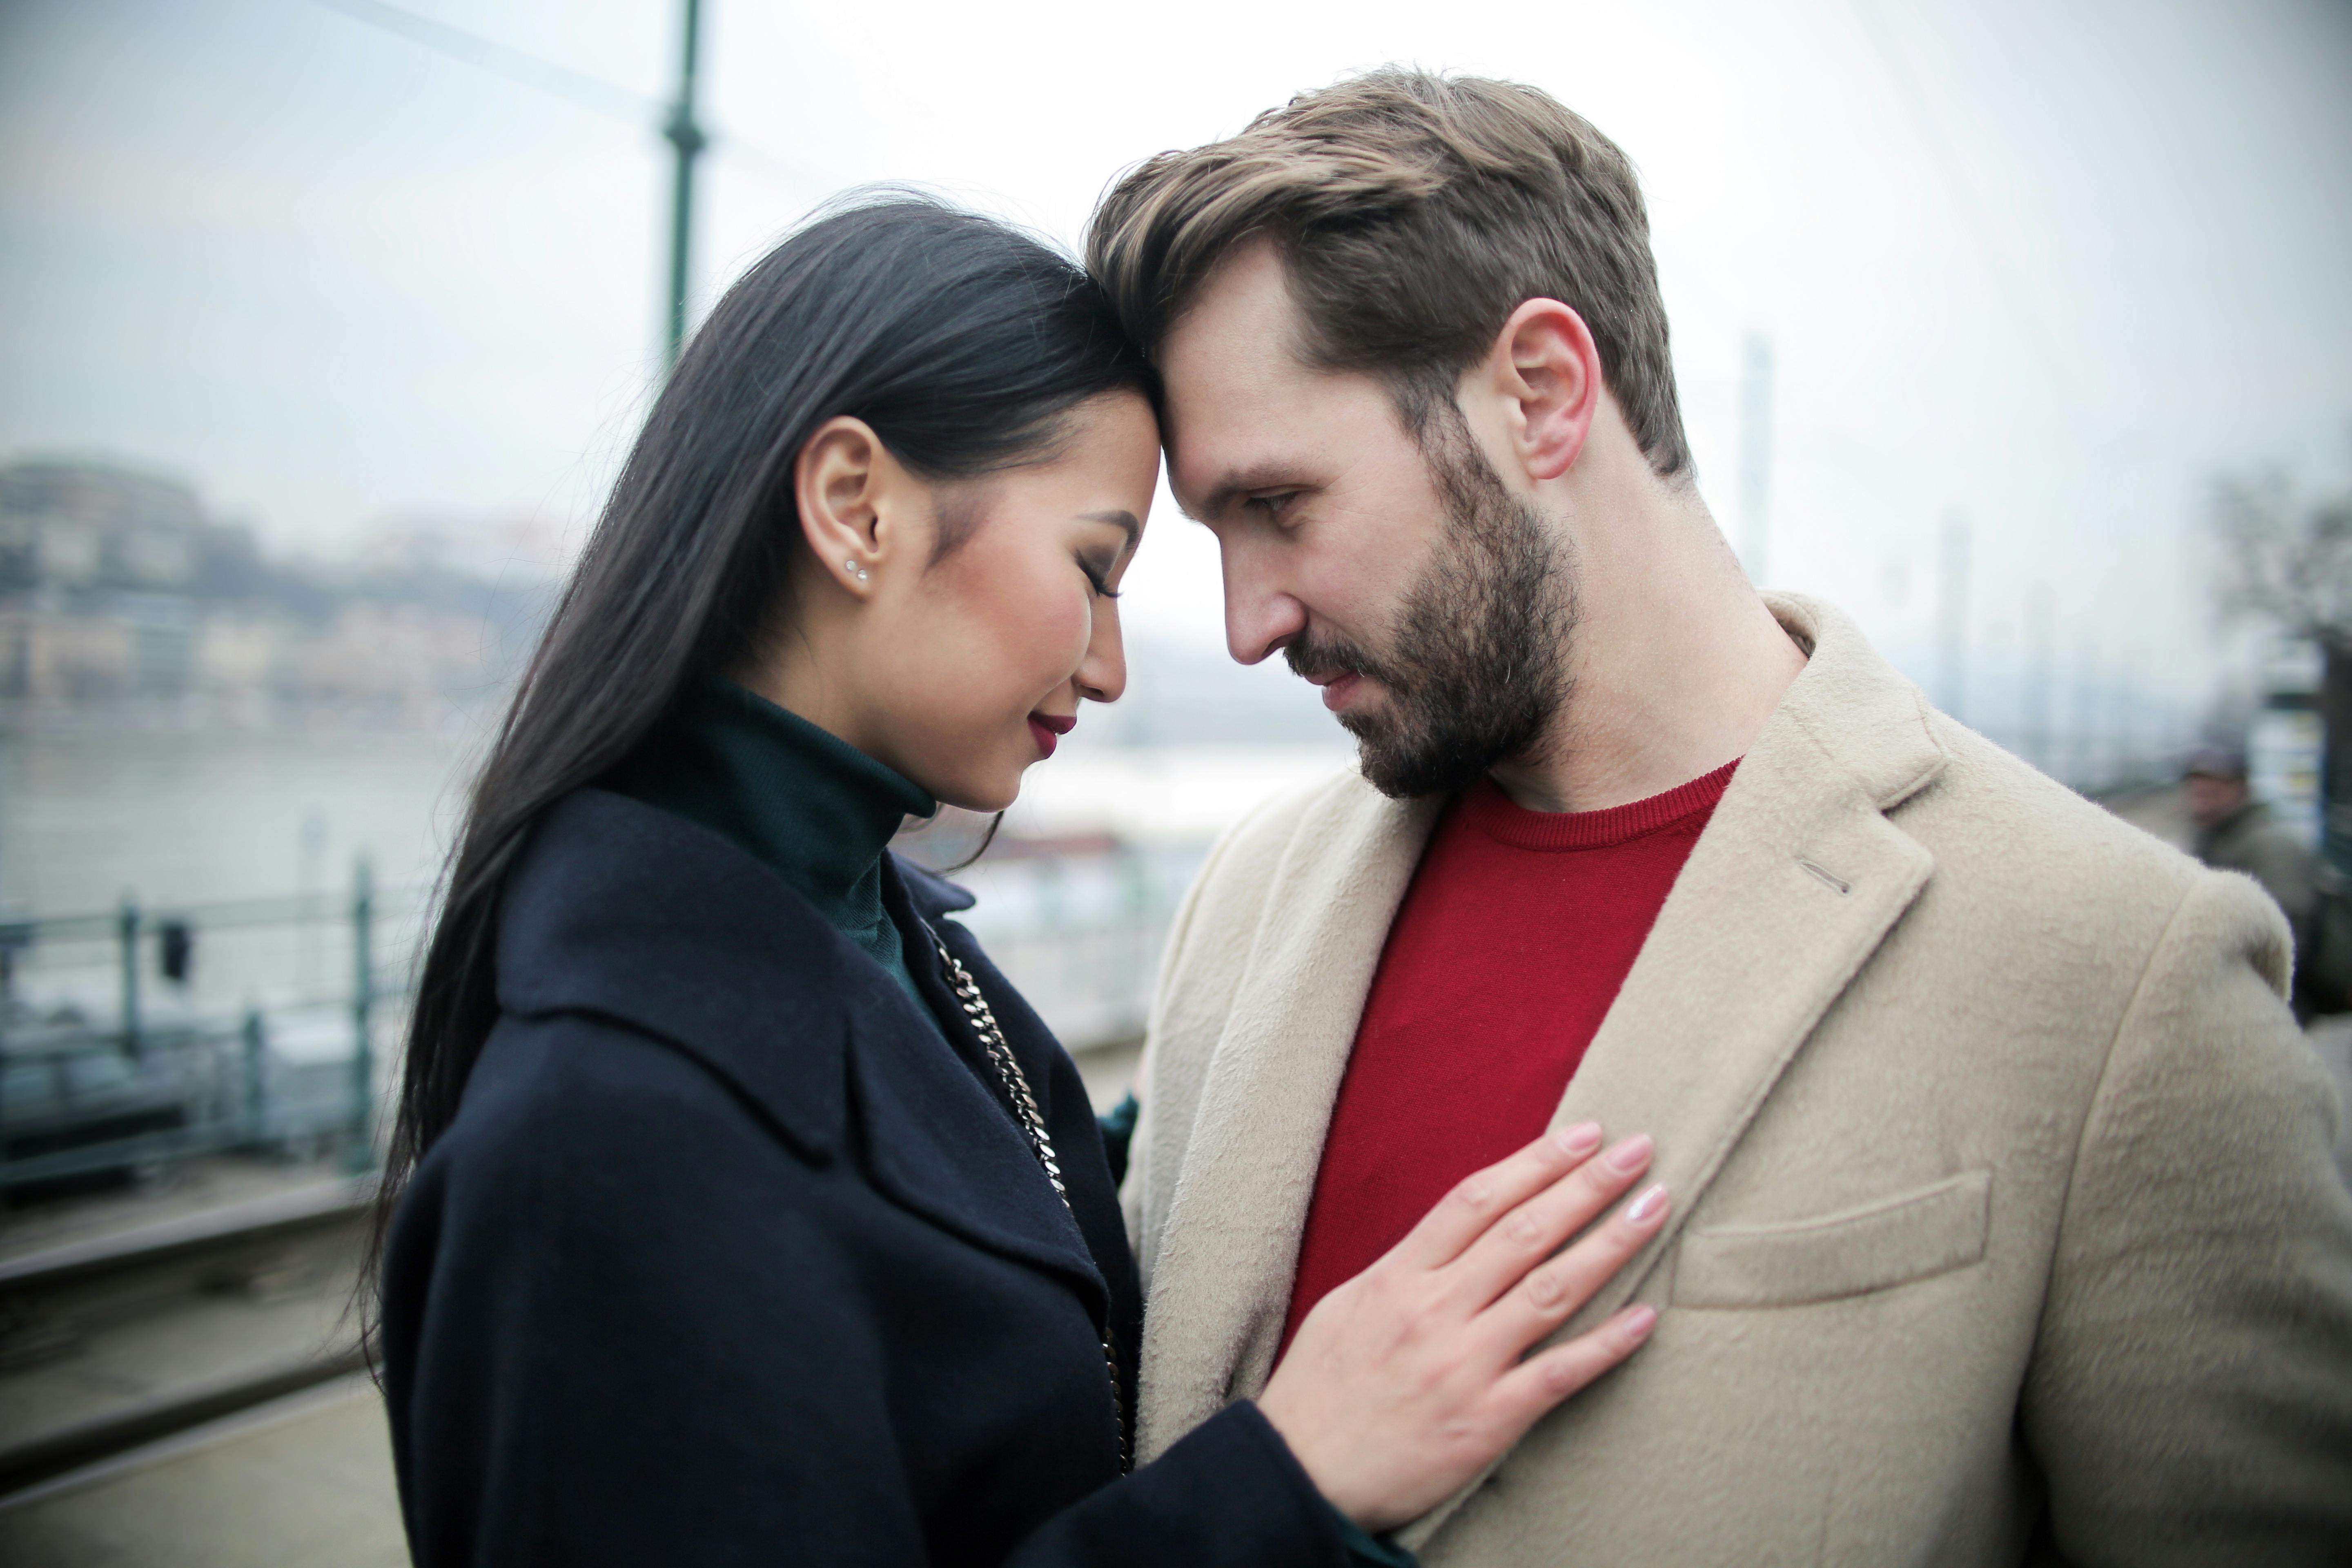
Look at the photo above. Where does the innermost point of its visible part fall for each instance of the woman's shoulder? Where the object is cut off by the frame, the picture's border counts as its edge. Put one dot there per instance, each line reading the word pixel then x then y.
pixel 643 933
pixel 574 1092
pixel 595 1181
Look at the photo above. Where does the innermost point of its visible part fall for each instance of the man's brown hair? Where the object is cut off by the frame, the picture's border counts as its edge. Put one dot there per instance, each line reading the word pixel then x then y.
pixel 1415 212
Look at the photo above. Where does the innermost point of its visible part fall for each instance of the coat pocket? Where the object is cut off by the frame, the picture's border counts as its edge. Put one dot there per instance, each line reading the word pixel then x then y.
pixel 1894 1241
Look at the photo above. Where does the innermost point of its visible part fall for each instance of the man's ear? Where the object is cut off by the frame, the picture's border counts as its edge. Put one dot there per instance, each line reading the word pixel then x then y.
pixel 1546 372
pixel 838 480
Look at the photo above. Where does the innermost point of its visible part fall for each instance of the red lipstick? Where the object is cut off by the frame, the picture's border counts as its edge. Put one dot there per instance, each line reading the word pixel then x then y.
pixel 1047 728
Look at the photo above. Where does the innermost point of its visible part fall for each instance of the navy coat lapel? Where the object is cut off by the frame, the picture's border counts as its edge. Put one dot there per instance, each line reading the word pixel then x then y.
pixel 1114 1292
pixel 624 911
pixel 941 1139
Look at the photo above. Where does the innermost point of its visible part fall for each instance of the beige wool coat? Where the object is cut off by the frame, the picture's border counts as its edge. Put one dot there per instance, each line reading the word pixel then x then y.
pixel 2006 1228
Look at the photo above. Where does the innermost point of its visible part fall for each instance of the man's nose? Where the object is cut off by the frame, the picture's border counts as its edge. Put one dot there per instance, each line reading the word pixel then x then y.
pixel 1261 615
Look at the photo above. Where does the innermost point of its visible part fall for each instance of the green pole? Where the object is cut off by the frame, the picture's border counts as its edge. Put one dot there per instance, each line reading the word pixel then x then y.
pixel 687 137
pixel 361 1154
pixel 127 938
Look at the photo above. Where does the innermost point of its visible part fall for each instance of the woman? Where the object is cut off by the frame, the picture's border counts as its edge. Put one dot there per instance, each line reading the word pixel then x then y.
pixel 744 1212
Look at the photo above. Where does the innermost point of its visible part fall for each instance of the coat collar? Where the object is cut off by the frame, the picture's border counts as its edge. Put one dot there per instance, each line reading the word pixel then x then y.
pixel 1787 893
pixel 624 910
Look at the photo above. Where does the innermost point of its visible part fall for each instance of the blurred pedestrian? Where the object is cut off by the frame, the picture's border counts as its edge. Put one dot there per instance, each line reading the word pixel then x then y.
pixel 741 1211
pixel 2008 1229
pixel 2236 832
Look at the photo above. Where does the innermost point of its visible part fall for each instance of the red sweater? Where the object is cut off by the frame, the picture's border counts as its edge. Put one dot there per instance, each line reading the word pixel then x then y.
pixel 1513 939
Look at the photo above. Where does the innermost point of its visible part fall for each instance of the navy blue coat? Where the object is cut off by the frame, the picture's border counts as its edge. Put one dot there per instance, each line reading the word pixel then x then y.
pixel 728 1259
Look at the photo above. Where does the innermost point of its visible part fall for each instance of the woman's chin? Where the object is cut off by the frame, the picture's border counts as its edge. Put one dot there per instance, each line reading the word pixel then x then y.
pixel 984 796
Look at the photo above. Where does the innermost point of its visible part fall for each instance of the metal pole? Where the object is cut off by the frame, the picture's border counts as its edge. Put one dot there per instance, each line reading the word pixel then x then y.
pixel 126 935
pixel 361 1154
pixel 255 1119
pixel 686 136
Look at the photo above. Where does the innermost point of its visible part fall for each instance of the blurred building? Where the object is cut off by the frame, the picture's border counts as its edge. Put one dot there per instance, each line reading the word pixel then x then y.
pixel 2285 738
pixel 121 598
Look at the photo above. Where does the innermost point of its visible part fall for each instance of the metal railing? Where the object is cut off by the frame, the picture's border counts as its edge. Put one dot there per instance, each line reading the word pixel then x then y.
pixel 1079 930
pixel 132 1038
pixel 105 1067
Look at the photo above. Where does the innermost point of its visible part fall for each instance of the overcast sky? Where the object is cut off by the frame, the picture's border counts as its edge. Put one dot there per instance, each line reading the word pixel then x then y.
pixel 2046 265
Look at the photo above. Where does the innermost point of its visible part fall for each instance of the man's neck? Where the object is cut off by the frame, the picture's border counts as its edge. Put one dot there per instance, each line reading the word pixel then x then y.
pixel 1676 664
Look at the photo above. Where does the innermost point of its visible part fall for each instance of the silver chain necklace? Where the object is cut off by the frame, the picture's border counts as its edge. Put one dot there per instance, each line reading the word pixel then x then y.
pixel 1033 1123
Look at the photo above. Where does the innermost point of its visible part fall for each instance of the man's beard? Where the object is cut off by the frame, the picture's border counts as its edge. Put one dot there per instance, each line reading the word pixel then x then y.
pixel 1476 667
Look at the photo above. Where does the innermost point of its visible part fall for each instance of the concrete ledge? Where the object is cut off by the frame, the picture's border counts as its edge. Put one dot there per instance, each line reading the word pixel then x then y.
pixel 165 1241
pixel 53 1454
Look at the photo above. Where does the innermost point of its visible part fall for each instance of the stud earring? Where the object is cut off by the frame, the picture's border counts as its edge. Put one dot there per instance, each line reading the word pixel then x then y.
pixel 855 570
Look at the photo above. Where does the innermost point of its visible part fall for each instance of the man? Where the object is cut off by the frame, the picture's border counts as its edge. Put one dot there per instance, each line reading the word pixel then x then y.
pixel 2004 1226
pixel 2235 832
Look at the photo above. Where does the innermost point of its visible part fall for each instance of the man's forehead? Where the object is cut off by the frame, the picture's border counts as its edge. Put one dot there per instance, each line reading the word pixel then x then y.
pixel 1286 435
pixel 1243 407
pixel 1221 449
pixel 1238 337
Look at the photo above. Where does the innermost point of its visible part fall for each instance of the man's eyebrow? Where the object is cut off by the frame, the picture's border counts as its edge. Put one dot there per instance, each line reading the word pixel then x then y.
pixel 1126 519
pixel 1266 476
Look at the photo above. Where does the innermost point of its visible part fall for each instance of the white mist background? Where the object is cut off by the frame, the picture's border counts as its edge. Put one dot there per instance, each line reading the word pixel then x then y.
pixel 2046 267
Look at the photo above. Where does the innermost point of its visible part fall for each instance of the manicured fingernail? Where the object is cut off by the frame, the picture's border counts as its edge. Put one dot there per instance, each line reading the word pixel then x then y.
pixel 1580 1140
pixel 1632 1154
pixel 1637 1323
pixel 1646 1207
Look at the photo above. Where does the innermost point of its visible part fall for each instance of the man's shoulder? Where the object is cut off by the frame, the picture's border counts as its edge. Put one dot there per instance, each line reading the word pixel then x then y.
pixel 1338 797
pixel 1993 817
pixel 1304 850
pixel 1321 819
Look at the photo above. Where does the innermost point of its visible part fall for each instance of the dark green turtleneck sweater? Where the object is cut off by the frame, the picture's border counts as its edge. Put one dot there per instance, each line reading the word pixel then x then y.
pixel 816 810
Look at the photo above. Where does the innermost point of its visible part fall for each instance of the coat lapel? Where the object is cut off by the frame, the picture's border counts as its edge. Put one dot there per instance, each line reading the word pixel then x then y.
pixel 1796 880
pixel 940 1142
pixel 1786 895
pixel 1223 1282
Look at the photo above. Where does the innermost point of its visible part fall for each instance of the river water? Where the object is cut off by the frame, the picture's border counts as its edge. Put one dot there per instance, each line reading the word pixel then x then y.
pixel 175 821
pixel 87 817
pixel 175 818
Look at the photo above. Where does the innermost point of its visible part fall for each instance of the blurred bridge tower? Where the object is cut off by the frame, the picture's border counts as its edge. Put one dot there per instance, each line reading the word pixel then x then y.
pixel 1756 454
pixel 2041 675
pixel 1952 618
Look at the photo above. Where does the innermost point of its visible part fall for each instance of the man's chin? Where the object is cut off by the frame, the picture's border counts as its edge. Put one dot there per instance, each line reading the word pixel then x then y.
pixel 1405 769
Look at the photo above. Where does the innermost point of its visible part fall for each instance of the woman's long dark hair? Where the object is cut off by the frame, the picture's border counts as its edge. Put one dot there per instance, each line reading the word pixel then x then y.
pixel 960 341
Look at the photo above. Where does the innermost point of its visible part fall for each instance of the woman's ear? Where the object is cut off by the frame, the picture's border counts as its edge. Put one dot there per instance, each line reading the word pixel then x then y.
pixel 838 482
pixel 1547 369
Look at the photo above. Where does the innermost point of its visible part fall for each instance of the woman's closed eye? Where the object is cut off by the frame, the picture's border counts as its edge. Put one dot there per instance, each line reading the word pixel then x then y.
pixel 1098 577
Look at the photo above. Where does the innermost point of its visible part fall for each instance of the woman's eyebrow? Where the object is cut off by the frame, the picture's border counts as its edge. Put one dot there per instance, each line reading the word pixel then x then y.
pixel 1126 519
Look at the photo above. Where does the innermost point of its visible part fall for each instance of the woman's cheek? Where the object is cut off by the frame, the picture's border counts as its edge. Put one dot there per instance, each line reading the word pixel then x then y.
pixel 1062 638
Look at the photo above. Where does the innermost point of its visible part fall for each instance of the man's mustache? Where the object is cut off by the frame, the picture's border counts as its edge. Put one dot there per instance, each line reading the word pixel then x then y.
pixel 1327 660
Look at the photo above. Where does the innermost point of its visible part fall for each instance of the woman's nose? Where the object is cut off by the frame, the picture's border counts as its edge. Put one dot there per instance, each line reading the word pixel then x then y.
pixel 1102 675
